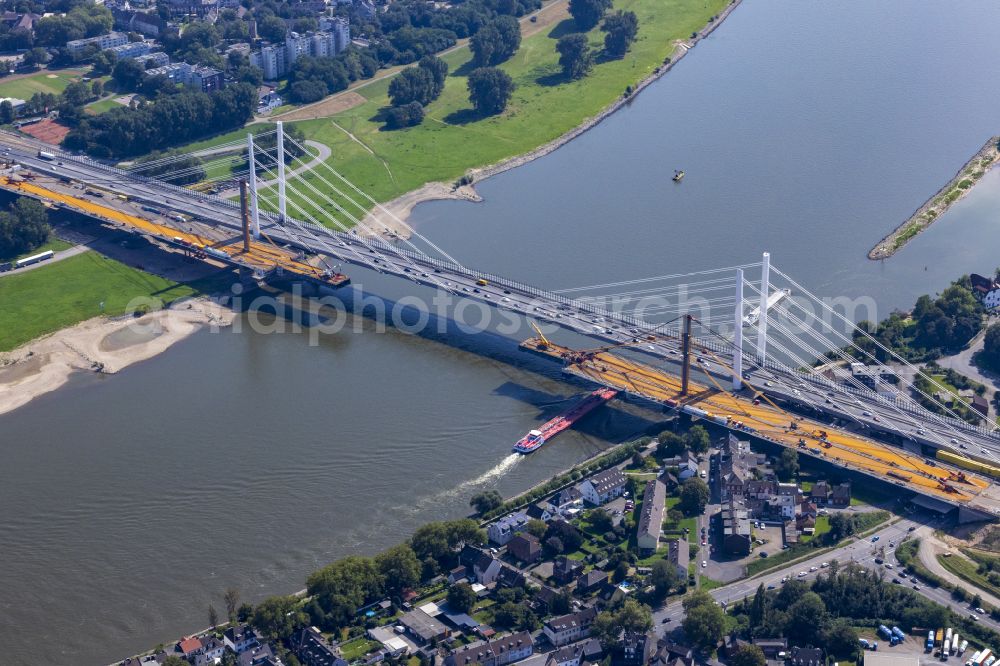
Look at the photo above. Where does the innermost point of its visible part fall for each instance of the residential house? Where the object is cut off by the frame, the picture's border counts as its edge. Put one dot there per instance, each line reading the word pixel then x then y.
pixel 669 480
pixel 603 486
pixel 538 512
pixel 422 627
pixel 736 530
pixel 840 497
pixel 807 509
pixel 574 654
pixel 154 59
pixel 525 547
pixel 148 24
pixel 688 468
pixel 987 290
pixel 805 524
pixel 469 555
pixel 78 47
pixel 590 582
pixel 276 60
pixel 567 498
pixel 760 490
pixel 211 649
pixel 570 628
pixel 486 569
pixel 669 653
pixel 808 656
pixel 263 655
pixel 820 493
pixel 132 49
pixel 635 649
pixel 651 519
pixel 565 570
pixel 504 529
pixel 510 577
pixel 773 648
pixel 240 638
pixel 678 554
pixel 457 574
pixel 189 647
pixel 497 651
pixel 313 650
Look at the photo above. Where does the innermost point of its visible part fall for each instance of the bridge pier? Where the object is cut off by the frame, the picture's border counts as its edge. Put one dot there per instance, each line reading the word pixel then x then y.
pixel 765 291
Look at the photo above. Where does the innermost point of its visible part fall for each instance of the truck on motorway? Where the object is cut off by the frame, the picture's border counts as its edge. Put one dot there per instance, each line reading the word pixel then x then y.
pixel 46 156
pixel 34 259
pixel 6 266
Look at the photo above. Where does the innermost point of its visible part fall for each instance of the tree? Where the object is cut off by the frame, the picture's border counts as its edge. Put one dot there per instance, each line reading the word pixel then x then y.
pixel 697 439
pixel 97 88
pixel 461 597
pixel 841 525
pixel 536 528
pixel 990 356
pixel 554 546
pixel 23 227
pixel 272 28
pixel 232 600
pixel 399 567
pixel 841 639
pixel 128 74
pixel 621 29
pixel 669 444
pixel 244 612
pixel 278 617
pixel 748 655
pixel 806 618
pixel 486 500
pixel 35 57
pixel 601 520
pixel 588 13
pixel 6 112
pixel 977 601
pixel 489 90
pixel 306 92
pixel 694 497
pixel 704 622
pixel 496 41
pixel 758 608
pixel 174 660
pixel 631 616
pixel 664 577
pixel 575 57
pixel 213 616
pixel 439 540
pixel 788 465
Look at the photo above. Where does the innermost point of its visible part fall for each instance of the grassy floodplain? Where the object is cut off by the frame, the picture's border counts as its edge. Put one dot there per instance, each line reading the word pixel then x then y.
pixel 65 293
pixel 545 105
pixel 452 139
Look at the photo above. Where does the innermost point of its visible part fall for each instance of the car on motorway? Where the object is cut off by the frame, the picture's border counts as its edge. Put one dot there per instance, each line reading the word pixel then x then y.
pixel 801 574
pixel 875 538
pixel 825 565
pixel 813 568
pixel 771 587
pixel 980 611
pixel 974 618
pixel 896 581
pixel 888 565
pixel 911 528
pixel 665 620
pixel 916 587
pixel 704 563
pixel 763 553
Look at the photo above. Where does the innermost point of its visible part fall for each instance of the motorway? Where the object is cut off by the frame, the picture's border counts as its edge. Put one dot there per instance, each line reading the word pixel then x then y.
pixel 861 551
pixel 860 409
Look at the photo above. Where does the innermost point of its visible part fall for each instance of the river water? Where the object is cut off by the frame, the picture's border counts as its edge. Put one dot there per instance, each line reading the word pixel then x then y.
pixel 129 503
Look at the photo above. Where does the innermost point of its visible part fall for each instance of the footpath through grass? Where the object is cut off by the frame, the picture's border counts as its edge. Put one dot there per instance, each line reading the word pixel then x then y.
pixel 452 139
pixel 67 292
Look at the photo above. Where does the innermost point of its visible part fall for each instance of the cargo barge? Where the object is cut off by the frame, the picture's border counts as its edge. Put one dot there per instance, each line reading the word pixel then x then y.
pixel 536 438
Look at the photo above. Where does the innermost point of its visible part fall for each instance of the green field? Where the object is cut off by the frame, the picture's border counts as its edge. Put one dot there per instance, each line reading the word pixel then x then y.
pixel 103 105
pixel 44 82
pixel 452 139
pixel 65 293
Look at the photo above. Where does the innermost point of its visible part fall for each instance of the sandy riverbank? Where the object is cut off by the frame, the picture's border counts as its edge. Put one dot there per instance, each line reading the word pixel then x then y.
pixel 99 345
pixel 391 216
pixel 961 184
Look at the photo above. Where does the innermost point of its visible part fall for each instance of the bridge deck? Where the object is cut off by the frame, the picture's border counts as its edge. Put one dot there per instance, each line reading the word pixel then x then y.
pixel 262 256
pixel 739 413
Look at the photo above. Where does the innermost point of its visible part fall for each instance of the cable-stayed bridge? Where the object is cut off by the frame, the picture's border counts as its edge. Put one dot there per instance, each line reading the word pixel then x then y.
pixel 756 334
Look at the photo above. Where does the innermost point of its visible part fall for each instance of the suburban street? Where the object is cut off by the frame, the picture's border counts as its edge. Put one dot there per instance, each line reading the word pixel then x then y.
pixel 861 551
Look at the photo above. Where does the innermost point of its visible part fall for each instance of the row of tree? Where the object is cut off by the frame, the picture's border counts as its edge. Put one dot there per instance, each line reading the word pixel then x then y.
pixel 24 226
pixel 168 121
